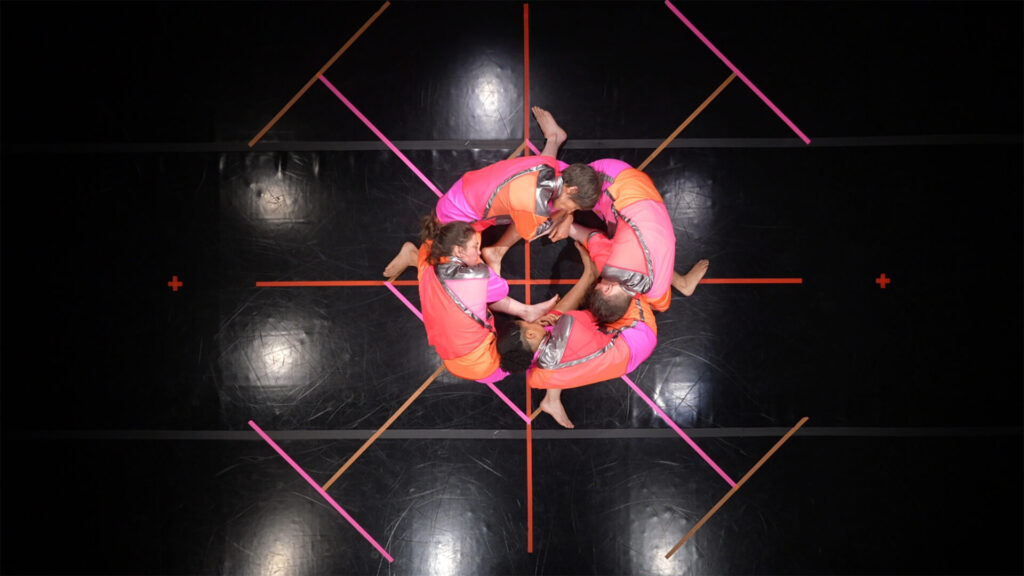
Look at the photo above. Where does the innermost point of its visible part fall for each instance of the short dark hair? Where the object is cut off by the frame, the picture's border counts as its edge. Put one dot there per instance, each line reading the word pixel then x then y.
pixel 516 355
pixel 587 182
pixel 608 309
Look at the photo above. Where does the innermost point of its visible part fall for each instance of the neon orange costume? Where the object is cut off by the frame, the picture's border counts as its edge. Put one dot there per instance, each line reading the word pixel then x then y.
pixel 517 191
pixel 454 299
pixel 577 352
pixel 641 252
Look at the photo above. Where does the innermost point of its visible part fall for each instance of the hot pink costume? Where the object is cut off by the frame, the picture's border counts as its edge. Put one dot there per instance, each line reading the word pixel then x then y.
pixel 518 191
pixel 641 251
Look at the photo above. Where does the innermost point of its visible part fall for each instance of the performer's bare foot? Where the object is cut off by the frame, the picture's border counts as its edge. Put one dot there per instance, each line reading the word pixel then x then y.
pixel 535 311
pixel 406 257
pixel 492 255
pixel 552 131
pixel 552 404
pixel 687 283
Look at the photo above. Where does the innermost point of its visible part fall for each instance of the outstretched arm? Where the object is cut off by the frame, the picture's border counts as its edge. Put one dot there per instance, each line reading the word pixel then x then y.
pixel 578 292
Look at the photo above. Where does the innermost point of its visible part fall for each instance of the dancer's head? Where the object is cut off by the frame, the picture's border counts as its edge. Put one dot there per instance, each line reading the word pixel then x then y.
pixel 608 301
pixel 582 188
pixel 458 239
pixel 517 343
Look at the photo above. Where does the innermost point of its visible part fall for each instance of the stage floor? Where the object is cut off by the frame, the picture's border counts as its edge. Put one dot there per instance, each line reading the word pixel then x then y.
pixel 209 223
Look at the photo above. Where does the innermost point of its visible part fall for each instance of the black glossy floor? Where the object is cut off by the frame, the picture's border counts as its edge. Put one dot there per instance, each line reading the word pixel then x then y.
pixel 127 447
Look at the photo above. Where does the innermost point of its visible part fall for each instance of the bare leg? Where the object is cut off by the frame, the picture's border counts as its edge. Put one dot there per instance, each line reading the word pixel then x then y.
pixel 552 404
pixel 687 283
pixel 528 312
pixel 553 133
pixel 493 254
pixel 406 257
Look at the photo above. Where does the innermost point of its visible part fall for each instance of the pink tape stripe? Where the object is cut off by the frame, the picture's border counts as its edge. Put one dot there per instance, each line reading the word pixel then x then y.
pixel 381 136
pixel 738 73
pixel 403 299
pixel 320 490
pixel 532 147
pixel 509 402
pixel 679 431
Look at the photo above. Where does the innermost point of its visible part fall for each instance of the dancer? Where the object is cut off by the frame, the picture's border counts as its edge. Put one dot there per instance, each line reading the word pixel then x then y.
pixel 531 194
pixel 634 261
pixel 636 254
pixel 569 348
pixel 457 294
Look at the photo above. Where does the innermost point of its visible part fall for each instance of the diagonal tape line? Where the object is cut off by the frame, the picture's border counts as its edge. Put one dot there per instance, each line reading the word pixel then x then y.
pixel 317 75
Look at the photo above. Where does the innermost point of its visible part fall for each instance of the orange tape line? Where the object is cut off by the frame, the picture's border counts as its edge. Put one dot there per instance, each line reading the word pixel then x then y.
pixel 529 281
pixel 526 75
pixel 529 401
pixel 751 280
pixel 323 283
pixel 529 476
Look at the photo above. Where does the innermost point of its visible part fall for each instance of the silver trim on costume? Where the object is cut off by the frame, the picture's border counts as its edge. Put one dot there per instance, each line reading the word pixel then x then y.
pixel 553 348
pixel 494 193
pixel 611 226
pixel 632 282
pixel 549 187
pixel 456 269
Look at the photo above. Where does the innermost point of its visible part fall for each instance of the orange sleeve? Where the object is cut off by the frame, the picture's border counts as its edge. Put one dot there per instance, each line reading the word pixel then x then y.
pixel 526 223
pixel 600 248
pixel 421 259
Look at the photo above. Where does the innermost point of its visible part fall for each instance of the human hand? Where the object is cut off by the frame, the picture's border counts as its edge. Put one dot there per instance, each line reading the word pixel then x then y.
pixel 548 319
pixel 562 229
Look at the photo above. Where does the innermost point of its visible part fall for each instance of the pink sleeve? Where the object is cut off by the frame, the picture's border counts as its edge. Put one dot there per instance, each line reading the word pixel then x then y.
pixel 610 167
pixel 454 206
pixel 497 376
pixel 497 288
pixel 641 340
